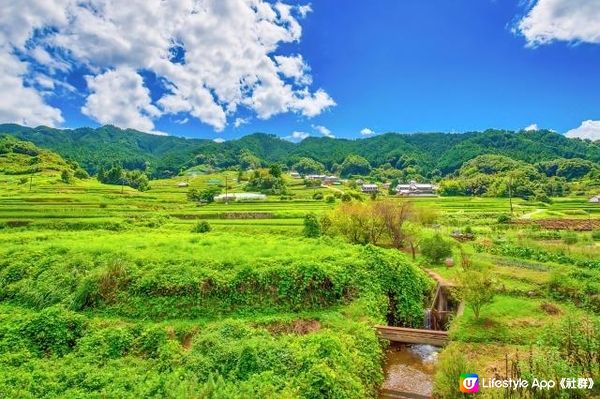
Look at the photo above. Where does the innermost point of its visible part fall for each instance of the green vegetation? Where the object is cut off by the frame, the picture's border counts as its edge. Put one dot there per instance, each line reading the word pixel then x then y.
pixel 122 286
pixel 388 156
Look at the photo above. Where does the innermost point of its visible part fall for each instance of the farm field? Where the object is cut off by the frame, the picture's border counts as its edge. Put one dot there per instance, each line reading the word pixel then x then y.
pixel 106 291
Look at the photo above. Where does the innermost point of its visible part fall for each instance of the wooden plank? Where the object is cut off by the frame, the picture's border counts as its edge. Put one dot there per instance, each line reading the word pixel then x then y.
pixel 413 335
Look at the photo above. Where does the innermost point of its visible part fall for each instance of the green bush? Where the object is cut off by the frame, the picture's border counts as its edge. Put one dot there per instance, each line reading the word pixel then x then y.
pixel 318 196
pixel 346 197
pixel 451 364
pixel 66 176
pixel 596 235
pixel 435 248
pixel 330 199
pixel 312 226
pixel 202 227
pixel 54 331
pixel 570 238
pixel 504 218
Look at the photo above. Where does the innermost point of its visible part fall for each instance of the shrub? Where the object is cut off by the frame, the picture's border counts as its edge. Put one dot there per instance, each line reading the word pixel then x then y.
pixel 202 227
pixel 81 173
pixel 504 218
pixel 330 199
pixel 66 176
pixel 596 235
pixel 318 196
pixel 569 238
pixel 54 330
pixel 436 248
pixel 451 365
pixel 23 180
pixel 477 290
pixel 312 226
pixel 207 195
pixel 346 197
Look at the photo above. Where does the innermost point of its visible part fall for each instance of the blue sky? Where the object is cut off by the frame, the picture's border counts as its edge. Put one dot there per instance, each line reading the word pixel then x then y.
pixel 312 69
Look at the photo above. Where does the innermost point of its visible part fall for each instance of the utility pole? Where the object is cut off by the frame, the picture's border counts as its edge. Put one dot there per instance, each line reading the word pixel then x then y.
pixel 226 196
pixel 122 185
pixel 510 194
pixel 30 181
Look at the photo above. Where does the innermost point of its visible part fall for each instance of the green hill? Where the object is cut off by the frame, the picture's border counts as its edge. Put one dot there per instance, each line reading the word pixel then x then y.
pixel 431 153
pixel 20 157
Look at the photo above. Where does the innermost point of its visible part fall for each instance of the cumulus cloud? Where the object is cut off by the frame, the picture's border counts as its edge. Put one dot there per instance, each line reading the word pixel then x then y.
pixel 531 127
pixel 367 132
pixel 22 104
pixel 212 57
pixel 587 130
pixel 323 130
pixel 561 20
pixel 240 121
pixel 219 140
pixel 297 136
pixel 119 97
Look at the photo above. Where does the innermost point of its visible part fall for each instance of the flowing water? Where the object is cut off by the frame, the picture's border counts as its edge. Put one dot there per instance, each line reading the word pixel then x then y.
pixel 410 368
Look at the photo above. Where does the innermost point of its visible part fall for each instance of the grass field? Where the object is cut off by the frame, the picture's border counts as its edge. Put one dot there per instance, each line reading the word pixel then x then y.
pixel 106 292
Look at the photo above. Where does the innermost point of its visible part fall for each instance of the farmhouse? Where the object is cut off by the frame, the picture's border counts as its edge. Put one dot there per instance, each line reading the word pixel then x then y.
pixel 595 199
pixel 369 188
pixel 327 180
pixel 414 188
pixel 182 184
pixel 295 175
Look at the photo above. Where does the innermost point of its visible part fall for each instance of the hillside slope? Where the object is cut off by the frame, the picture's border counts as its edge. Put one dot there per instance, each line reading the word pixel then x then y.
pixel 167 155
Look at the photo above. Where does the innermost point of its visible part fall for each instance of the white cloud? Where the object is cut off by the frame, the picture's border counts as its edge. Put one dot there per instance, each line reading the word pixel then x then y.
pixel 561 20
pixel 304 10
pixel 587 130
pixel 228 54
pixel 119 98
pixel 367 132
pixel 294 67
pixel 219 140
pixel 19 103
pixel 531 127
pixel 323 130
pixel 240 121
pixel 297 136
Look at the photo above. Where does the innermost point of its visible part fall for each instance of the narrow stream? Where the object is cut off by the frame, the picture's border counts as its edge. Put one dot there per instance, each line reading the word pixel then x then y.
pixel 410 368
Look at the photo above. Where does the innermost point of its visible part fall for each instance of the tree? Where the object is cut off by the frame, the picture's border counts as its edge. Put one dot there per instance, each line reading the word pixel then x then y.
pixel 275 170
pixel 202 227
pixel 435 248
pixel 308 166
pixel 66 176
pixel 394 214
pixel 355 165
pixel 476 289
pixel 248 160
pixel 312 226
pixel 206 195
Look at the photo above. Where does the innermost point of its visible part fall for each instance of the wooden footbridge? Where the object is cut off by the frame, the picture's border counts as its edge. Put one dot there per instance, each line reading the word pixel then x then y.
pixel 412 335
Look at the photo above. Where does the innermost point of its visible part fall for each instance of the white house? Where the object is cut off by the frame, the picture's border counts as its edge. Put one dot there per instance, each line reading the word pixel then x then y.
pixel 414 188
pixel 295 175
pixel 182 184
pixel 595 199
pixel 369 188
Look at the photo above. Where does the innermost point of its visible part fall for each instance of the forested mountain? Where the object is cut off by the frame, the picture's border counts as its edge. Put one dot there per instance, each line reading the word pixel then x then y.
pixel 430 153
